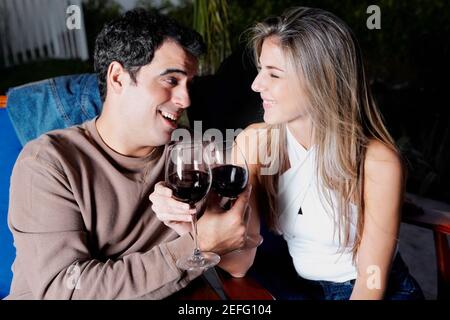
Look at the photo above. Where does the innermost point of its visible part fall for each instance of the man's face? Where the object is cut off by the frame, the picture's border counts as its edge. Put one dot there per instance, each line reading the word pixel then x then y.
pixel 152 106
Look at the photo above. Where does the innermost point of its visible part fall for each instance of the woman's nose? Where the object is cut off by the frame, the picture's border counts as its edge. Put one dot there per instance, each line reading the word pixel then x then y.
pixel 257 85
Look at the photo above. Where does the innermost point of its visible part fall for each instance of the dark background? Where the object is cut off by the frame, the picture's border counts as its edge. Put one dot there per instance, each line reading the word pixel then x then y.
pixel 407 63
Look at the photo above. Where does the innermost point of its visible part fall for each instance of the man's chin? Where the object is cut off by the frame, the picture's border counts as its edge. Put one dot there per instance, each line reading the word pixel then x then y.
pixel 163 138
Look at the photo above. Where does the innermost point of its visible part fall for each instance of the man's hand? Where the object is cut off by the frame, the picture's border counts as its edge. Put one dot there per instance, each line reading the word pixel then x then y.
pixel 175 214
pixel 219 231
pixel 223 231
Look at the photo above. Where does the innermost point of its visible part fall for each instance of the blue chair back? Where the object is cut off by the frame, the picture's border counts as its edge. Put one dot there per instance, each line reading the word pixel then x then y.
pixel 9 150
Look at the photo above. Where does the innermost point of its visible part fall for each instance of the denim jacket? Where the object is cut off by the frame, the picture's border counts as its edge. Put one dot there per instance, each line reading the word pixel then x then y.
pixel 55 103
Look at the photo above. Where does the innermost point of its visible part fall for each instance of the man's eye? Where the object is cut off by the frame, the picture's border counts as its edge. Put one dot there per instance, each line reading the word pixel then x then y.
pixel 172 81
pixel 274 76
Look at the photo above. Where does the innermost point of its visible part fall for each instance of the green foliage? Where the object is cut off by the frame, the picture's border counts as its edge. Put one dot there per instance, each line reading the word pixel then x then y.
pixel 211 21
pixel 209 18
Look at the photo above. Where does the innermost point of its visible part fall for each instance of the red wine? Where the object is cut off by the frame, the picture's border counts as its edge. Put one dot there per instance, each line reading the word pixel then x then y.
pixel 191 188
pixel 229 180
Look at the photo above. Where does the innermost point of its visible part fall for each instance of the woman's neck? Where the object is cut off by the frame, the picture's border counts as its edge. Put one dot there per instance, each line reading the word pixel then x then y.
pixel 301 129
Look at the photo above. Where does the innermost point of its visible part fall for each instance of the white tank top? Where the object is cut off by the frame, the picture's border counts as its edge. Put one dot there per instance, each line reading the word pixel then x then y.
pixel 312 237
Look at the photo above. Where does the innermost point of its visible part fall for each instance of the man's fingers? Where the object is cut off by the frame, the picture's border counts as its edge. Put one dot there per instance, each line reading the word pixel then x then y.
pixel 169 205
pixel 162 199
pixel 248 211
pixel 169 218
pixel 178 206
pixel 243 200
pixel 213 202
pixel 247 215
pixel 161 189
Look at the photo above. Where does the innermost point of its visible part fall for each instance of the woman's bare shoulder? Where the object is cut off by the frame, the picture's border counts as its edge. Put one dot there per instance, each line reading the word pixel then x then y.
pixel 380 152
pixel 251 132
pixel 249 141
pixel 383 186
pixel 382 160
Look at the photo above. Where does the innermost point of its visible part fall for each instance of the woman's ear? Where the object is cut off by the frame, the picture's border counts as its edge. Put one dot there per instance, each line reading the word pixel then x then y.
pixel 116 77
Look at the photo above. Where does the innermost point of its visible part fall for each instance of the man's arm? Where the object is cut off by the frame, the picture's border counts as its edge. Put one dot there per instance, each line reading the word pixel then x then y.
pixel 53 246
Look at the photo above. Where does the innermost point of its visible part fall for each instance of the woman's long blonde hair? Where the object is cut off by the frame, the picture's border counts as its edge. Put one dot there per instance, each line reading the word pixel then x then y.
pixel 328 60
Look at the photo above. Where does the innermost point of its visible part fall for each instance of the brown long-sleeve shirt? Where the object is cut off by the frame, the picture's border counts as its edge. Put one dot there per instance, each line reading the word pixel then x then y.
pixel 83 225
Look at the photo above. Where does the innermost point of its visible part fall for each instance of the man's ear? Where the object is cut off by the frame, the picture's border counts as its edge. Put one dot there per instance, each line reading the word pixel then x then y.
pixel 116 77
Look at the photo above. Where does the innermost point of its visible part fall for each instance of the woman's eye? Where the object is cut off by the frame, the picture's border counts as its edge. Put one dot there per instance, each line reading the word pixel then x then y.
pixel 274 76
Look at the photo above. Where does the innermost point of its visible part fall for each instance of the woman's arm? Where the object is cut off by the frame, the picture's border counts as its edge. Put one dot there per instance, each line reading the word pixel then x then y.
pixel 383 197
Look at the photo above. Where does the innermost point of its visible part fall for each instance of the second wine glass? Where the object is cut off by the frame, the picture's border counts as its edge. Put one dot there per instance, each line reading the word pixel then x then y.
pixel 230 177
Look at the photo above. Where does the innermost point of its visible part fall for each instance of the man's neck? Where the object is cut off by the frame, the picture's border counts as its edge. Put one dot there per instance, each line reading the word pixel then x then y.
pixel 113 133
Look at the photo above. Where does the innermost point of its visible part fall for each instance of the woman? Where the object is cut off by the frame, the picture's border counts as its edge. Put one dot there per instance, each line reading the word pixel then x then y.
pixel 325 171
pixel 338 182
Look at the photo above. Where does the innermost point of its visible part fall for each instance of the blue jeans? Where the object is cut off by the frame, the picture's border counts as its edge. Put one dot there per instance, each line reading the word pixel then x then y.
pixel 56 103
pixel 401 286
pixel 274 269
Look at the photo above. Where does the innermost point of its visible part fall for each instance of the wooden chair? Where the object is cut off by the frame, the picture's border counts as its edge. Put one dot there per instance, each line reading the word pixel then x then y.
pixel 2 101
pixel 437 220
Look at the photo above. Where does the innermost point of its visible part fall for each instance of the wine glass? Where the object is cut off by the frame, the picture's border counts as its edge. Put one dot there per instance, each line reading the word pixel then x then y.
pixel 230 178
pixel 189 178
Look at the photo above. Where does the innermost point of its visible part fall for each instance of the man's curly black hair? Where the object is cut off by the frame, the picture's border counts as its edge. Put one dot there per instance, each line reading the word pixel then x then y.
pixel 133 39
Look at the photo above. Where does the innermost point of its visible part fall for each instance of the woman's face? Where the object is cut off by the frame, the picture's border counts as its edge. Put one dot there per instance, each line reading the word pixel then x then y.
pixel 283 97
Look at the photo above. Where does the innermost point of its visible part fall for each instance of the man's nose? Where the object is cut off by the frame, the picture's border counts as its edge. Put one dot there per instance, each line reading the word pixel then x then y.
pixel 181 98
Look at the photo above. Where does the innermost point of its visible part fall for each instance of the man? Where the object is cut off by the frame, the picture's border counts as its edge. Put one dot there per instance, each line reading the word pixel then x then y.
pixel 79 210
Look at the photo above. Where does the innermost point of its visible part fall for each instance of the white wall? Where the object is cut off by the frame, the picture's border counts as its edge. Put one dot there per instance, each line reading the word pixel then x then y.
pixel 36 29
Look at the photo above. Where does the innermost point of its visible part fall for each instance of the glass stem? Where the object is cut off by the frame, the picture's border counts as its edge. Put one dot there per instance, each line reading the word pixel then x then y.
pixel 197 252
